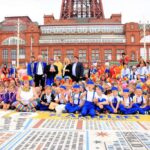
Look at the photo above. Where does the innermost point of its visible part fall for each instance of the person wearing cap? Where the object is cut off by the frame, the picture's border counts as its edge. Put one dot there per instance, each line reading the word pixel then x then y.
pixel 114 100
pixel 46 98
pixel 61 99
pixel 139 101
pixel 51 72
pixel 57 81
pixel 39 72
pixel 126 106
pixel 101 101
pixel 68 83
pixel 75 104
pixel 26 96
pixel 88 96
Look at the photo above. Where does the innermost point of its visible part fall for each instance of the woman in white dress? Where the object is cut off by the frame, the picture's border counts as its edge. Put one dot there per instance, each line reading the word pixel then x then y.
pixel 26 96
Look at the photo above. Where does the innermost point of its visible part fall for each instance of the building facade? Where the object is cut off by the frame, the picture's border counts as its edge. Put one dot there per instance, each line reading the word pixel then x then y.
pixel 82 30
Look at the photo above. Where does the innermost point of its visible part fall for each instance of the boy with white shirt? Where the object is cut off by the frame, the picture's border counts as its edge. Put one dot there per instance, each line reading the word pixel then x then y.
pixel 101 101
pixel 88 96
pixel 61 99
pixel 126 106
pixel 75 103
pixel 114 100
pixel 139 101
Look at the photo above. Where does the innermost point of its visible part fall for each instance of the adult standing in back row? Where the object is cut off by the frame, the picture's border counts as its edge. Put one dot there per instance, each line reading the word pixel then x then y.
pixel 39 72
pixel 77 70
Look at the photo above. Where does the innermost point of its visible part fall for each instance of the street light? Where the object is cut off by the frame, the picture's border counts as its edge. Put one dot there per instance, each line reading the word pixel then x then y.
pixel 18 40
pixel 144 26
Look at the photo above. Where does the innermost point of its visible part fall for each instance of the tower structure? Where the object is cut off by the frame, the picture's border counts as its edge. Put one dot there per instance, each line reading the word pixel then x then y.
pixel 82 9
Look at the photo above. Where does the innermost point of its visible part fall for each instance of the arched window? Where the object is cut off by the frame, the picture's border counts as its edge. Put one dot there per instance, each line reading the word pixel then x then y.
pixel 13 41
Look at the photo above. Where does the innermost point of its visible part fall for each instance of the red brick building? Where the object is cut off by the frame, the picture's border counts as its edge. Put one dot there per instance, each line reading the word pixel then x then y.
pixel 82 30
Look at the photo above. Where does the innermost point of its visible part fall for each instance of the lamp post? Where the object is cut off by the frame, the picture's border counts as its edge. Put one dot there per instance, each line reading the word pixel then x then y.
pixel 144 26
pixel 18 40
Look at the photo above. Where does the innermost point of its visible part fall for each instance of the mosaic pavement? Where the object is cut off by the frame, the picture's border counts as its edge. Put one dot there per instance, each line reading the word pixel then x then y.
pixel 47 131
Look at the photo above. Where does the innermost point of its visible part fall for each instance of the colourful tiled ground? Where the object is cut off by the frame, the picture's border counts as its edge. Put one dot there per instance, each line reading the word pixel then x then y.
pixel 47 131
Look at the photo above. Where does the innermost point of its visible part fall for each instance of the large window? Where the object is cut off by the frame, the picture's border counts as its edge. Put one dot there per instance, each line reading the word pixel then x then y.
pixel 57 53
pixel 13 41
pixel 82 56
pixel 108 55
pixel 45 54
pixel 119 54
pixel 95 55
pixel 22 54
pixel 13 54
pixel 70 54
pixel 5 54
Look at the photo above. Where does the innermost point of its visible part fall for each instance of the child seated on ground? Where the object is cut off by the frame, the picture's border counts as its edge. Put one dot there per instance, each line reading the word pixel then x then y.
pixel 88 96
pixel 139 101
pixel 101 101
pixel 114 100
pixel 10 97
pixel 75 103
pixel 126 106
pixel 2 95
pixel 46 98
pixel 26 97
pixel 61 99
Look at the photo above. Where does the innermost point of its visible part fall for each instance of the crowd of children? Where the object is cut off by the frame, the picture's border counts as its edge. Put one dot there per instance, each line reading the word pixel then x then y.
pixel 101 93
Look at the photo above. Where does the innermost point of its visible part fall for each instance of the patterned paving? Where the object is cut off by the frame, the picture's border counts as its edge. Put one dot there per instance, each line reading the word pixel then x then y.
pixel 47 131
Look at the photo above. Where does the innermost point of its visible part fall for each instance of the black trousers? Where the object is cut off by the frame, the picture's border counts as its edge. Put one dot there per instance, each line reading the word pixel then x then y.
pixel 76 79
pixel 39 80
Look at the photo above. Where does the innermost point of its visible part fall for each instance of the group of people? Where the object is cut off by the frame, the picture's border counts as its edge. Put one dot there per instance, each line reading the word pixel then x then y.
pixel 77 88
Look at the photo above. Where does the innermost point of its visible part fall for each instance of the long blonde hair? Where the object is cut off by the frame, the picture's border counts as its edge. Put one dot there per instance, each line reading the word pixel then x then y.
pixel 67 61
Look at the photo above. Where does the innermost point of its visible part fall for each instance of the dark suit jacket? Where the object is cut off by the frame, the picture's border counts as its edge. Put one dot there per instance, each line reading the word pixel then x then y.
pixel 51 74
pixel 36 65
pixel 68 67
pixel 79 70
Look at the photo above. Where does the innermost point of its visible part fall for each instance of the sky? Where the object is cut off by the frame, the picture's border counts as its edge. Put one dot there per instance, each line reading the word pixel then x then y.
pixel 131 10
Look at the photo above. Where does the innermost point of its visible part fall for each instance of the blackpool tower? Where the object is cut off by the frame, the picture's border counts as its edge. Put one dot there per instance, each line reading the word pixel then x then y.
pixel 82 9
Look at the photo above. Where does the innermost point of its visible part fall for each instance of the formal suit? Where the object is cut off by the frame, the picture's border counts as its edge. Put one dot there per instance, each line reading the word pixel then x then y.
pixel 30 69
pixel 77 71
pixel 39 78
pixel 51 74
pixel 68 71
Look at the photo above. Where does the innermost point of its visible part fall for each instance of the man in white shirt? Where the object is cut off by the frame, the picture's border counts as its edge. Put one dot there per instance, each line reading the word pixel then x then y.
pixel 39 72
